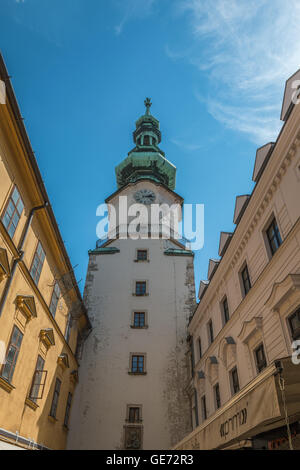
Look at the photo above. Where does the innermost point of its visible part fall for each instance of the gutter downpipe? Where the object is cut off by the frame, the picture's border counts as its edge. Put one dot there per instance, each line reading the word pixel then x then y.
pixel 21 254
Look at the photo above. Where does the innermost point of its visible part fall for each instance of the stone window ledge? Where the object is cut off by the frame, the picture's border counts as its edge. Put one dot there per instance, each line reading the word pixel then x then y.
pixel 137 373
pixel 140 421
pixel 52 419
pixel 139 327
pixel 31 404
pixel 140 295
pixel 8 387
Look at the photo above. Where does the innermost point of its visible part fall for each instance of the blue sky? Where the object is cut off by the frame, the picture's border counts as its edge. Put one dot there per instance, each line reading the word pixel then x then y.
pixel 215 71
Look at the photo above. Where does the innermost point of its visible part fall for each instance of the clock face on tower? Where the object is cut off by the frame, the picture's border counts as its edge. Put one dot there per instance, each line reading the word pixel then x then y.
pixel 145 196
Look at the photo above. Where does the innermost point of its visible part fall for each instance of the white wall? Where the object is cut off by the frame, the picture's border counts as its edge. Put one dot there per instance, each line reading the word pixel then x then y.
pixel 105 387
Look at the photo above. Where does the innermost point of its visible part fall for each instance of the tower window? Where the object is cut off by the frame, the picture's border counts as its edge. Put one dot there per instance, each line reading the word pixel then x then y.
pixel 137 364
pixel 146 140
pixel 142 255
pixel 134 414
pixel 140 288
pixel 139 320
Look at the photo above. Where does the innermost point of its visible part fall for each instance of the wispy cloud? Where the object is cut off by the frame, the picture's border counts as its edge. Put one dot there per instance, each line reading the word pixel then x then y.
pixel 133 9
pixel 187 146
pixel 248 48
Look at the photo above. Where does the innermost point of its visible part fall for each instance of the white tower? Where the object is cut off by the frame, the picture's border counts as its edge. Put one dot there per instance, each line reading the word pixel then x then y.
pixel 134 371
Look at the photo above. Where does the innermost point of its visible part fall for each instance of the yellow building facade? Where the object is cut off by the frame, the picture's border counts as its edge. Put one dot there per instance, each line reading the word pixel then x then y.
pixel 42 318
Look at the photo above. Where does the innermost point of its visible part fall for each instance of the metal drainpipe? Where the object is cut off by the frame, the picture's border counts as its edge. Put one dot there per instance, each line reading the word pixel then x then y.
pixel 21 254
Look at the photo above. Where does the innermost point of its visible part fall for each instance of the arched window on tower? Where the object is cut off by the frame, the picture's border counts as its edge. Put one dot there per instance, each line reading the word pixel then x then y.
pixel 146 140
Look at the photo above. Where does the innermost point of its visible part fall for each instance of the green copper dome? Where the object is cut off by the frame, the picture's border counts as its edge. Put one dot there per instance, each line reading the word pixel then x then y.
pixel 146 160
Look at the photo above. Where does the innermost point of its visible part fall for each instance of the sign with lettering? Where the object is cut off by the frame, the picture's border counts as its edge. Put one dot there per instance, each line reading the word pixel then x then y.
pixel 250 411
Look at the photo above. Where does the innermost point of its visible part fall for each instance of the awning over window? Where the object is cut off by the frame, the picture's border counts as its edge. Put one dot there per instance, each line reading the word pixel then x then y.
pixel 258 407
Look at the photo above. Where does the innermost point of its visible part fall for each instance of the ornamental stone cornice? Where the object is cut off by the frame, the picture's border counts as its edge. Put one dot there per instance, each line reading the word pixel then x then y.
pixel 282 290
pixel 267 198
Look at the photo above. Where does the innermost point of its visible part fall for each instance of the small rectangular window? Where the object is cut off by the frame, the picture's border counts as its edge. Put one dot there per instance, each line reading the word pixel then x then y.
pixel 234 381
pixel 142 255
pixel 294 322
pixel 134 414
pixel 245 280
pixel 260 358
pixel 68 408
pixel 13 212
pixel 137 364
pixel 217 396
pixel 273 236
pixel 139 320
pixel 54 299
pixel 140 288
pixel 203 407
pixel 210 332
pixel 225 311
pixel 37 263
pixel 12 354
pixel 55 398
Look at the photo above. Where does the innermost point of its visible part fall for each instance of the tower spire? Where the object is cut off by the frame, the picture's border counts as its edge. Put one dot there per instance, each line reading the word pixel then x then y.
pixel 148 105
pixel 146 159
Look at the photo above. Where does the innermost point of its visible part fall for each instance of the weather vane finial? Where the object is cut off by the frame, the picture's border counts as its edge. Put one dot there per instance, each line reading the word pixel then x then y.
pixel 148 105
